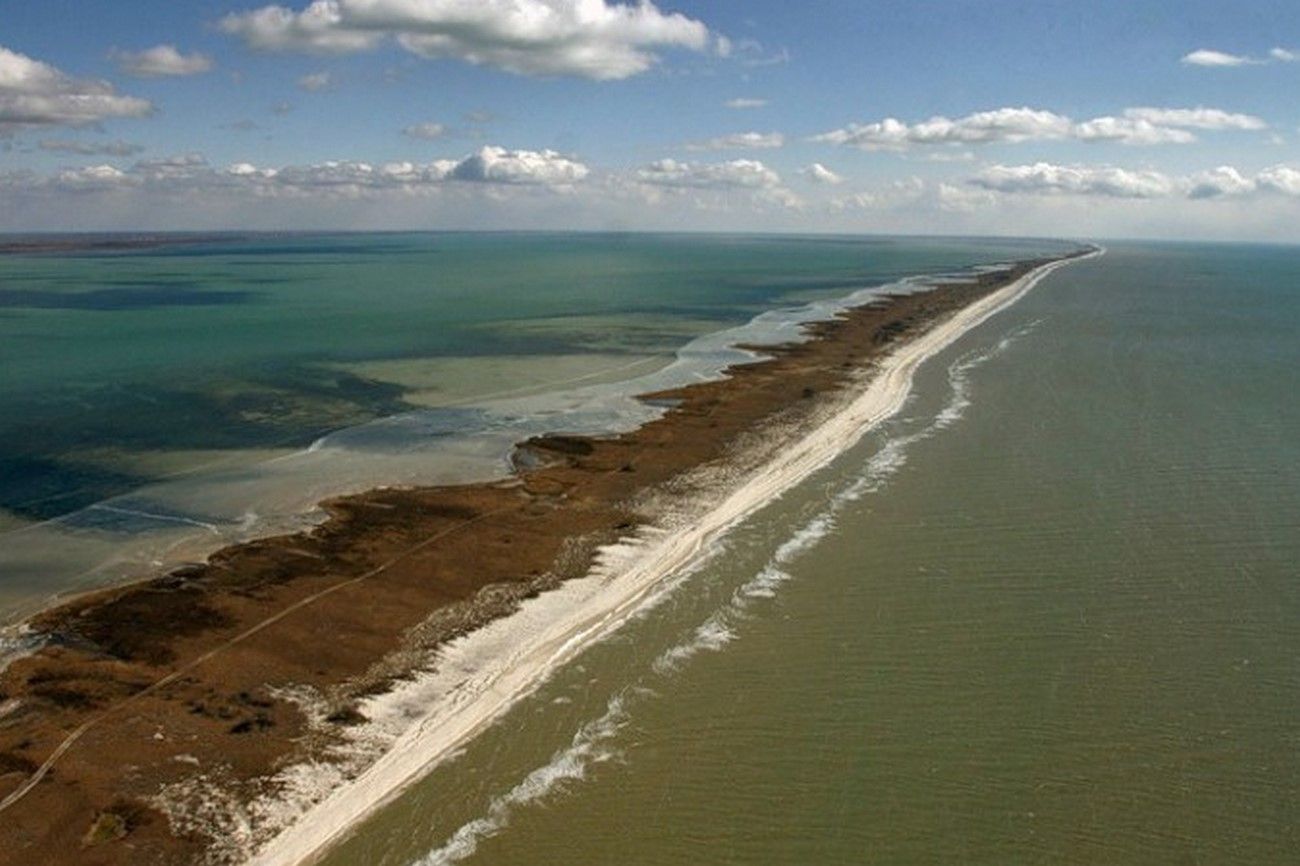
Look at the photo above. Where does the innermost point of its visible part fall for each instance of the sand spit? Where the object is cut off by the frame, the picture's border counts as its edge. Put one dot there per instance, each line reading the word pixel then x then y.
pixel 486 672
pixel 270 697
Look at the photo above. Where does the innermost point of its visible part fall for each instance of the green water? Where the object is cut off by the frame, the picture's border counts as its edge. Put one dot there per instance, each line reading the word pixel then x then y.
pixel 1050 614
pixel 160 403
pixel 247 343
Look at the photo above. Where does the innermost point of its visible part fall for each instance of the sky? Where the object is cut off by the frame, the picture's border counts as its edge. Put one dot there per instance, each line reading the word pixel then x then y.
pixel 1108 118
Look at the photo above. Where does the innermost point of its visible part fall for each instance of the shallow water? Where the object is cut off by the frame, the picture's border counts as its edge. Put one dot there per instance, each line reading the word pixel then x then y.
pixel 160 403
pixel 1050 614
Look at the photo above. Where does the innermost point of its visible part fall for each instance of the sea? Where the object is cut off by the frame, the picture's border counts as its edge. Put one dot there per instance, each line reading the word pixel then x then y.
pixel 1049 613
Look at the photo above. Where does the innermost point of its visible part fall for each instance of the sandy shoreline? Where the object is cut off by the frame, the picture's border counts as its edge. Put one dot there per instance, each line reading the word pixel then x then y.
pixel 276 658
pixel 577 615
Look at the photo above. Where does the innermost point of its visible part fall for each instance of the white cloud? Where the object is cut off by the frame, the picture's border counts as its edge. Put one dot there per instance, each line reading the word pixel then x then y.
pixel 711 186
pixel 315 82
pixel 1281 179
pixel 426 131
pixel 1046 178
pixel 1207 57
pixel 318 29
pixel 736 173
pixel 1127 130
pixel 741 141
pixel 191 174
pixel 90 148
pixel 498 165
pixel 1196 118
pixel 35 94
pixel 818 173
pixel 855 201
pixel 745 102
pixel 1000 125
pixel 94 177
pixel 1221 181
pixel 1013 125
pixel 902 193
pixel 586 38
pixel 161 61
pixel 962 199
pixel 1107 181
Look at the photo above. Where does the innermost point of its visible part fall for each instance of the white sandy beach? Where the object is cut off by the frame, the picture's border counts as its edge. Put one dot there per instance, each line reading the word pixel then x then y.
pixel 482 675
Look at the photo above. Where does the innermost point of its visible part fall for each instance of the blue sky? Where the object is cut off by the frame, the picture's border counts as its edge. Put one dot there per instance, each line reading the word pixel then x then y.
pixel 1144 118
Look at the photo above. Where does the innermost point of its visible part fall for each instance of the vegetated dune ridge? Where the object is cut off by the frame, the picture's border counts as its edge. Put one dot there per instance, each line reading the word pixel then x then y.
pixel 199 716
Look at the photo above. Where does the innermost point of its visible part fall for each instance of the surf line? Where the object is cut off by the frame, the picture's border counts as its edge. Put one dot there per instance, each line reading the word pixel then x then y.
pixel 591 608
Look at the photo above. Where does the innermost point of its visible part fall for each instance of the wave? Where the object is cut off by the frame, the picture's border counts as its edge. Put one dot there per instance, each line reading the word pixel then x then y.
pixel 590 746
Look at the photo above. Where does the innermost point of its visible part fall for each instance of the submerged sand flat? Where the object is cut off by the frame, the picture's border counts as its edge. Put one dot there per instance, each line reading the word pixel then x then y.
pixel 462 381
pixel 207 686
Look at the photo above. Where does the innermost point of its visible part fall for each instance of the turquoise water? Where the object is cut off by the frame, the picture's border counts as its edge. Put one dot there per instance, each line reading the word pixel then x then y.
pixel 1050 614
pixel 157 403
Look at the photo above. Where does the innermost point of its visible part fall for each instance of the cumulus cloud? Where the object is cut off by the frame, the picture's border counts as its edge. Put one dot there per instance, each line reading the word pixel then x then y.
pixel 736 173
pixel 1196 118
pixel 818 173
pixel 94 177
pixel 1044 178
pixel 710 183
pixel 1221 181
pixel 1283 55
pixel 318 29
pixel 741 141
pixel 425 131
pixel 1013 125
pixel 34 94
pixel 1280 179
pixel 745 102
pixel 190 174
pixel 498 165
pixel 315 82
pixel 586 38
pixel 161 61
pixel 1128 130
pixel 961 199
pixel 90 148
pixel 902 193
pixel 1003 124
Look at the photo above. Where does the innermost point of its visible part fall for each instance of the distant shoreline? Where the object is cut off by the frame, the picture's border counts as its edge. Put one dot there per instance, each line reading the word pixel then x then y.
pixel 172 674
pixel 92 242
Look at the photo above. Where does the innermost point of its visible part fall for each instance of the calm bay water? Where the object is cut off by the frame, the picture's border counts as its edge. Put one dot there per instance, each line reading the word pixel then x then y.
pixel 156 404
pixel 1049 615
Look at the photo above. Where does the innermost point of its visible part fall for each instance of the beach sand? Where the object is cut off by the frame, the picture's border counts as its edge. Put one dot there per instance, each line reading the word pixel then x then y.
pixel 202 714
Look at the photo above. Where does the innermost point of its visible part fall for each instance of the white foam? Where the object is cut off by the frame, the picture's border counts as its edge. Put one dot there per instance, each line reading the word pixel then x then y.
pixel 589 747
pixel 483 674
pixel 712 635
